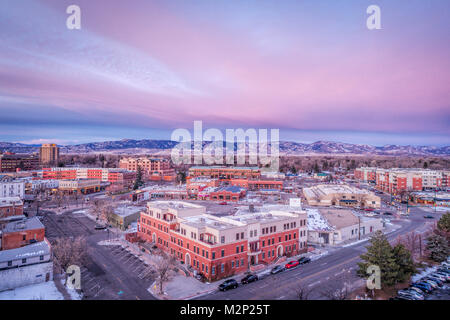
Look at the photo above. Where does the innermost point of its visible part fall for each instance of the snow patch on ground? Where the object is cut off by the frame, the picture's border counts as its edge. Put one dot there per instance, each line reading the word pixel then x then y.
pixel 41 291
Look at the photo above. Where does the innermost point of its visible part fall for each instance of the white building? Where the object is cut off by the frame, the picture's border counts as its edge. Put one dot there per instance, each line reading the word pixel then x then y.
pixel 10 187
pixel 25 266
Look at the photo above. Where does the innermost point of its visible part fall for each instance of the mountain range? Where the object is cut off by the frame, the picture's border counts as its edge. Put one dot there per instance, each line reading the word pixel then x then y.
pixel 129 146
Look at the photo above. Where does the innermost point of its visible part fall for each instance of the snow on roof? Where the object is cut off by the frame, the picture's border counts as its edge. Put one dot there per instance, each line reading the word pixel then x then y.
pixel 29 251
pixel 316 222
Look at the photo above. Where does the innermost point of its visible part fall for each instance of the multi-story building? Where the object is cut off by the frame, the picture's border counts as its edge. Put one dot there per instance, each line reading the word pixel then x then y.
pixel 225 173
pixel 10 187
pixel 112 175
pixel 154 169
pixel 397 180
pixel 257 184
pixel 366 174
pixel 49 153
pixel 10 162
pixel 340 195
pixel 21 233
pixel 220 246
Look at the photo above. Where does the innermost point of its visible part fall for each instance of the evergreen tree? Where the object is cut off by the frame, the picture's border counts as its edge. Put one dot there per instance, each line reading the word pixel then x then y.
pixel 138 181
pixel 425 165
pixel 404 261
pixel 316 167
pixel 444 222
pixel 438 248
pixel 381 254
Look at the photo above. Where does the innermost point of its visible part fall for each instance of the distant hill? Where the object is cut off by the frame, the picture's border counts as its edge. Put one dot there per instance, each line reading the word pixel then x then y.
pixel 129 146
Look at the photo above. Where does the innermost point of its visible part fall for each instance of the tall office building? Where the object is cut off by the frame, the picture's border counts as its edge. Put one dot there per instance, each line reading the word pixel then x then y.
pixel 49 154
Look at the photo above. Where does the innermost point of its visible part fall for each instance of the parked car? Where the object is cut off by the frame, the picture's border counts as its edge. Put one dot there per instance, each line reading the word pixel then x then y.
pixel 428 217
pixel 99 227
pixel 228 284
pixel 304 260
pixel 249 278
pixel 291 264
pixel 223 203
pixel 440 276
pixel 408 296
pixel 433 284
pixel 438 281
pixel 277 269
pixel 417 290
pixel 407 292
pixel 388 214
pixel 445 276
pixel 423 286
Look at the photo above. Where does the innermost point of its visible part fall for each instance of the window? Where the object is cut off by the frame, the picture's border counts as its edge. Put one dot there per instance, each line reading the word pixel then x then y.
pixel 251 233
pixel 223 253
pixel 24 260
pixel 24 237
pixel 242 248
pixel 237 249
pixel 232 264
pixel 41 258
pixel 213 255
pixel 263 243
pixel 242 235
pixel 237 236
pixel 222 268
pixel 9 263
pixel 242 262
pixel 213 270
pixel 222 239
pixel 237 263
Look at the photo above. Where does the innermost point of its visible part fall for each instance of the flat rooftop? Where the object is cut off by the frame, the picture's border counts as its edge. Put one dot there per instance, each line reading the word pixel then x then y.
pixel 173 205
pixel 327 189
pixel 22 225
pixel 204 220
pixel 125 211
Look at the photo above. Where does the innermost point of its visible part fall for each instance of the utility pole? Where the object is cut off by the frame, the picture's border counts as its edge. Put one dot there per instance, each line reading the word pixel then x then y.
pixel 359 228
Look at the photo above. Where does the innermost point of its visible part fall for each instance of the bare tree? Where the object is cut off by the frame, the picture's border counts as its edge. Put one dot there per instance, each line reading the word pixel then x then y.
pixel 303 292
pixel 163 269
pixel 97 208
pixel 69 251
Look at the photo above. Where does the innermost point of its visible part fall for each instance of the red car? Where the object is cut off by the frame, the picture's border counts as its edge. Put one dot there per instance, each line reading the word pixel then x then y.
pixel 291 264
pixel 223 203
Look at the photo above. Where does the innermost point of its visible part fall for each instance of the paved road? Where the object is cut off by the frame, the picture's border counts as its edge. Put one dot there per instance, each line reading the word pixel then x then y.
pixel 330 271
pixel 106 275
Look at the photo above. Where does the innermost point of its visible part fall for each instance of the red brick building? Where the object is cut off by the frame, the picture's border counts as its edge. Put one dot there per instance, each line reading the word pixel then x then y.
pixel 11 206
pixel 231 193
pixel 221 246
pixel 153 169
pixel 21 233
pixel 225 173
pixel 11 162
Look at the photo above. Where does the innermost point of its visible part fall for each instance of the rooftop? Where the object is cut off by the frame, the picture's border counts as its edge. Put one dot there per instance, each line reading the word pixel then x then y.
pixel 22 225
pixel 206 220
pixel 125 211
pixel 173 205
pixel 327 189
pixel 29 251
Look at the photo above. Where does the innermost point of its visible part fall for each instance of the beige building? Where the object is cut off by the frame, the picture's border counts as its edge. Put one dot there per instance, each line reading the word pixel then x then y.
pixel 333 226
pixel 340 195
pixel 78 186
pixel 49 153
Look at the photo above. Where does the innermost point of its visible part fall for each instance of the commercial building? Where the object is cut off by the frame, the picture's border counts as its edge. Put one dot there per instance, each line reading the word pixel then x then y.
pixel 257 184
pixel 49 154
pixel 10 187
pixel 231 193
pixel 111 175
pixel 11 162
pixel 21 233
pixel 221 246
pixel 26 265
pixel 430 198
pixel 333 226
pixel 79 186
pixel 340 195
pixel 225 173
pixel 125 215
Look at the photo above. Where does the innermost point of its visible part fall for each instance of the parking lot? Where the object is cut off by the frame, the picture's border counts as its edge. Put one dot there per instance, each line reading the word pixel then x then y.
pixel 134 263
